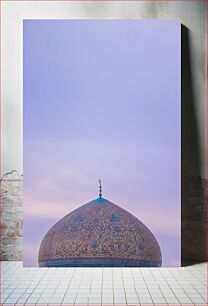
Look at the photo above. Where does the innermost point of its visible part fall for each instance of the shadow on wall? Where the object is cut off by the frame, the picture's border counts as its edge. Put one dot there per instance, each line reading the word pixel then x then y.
pixel 194 216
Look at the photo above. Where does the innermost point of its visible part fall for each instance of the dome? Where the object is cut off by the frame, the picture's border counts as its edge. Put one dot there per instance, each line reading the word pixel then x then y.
pixel 99 233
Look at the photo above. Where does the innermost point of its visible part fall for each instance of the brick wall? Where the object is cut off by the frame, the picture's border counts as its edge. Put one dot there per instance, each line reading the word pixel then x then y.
pixel 11 216
pixel 194 220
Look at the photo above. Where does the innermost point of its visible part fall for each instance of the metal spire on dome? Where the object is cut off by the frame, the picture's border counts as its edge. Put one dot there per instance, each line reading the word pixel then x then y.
pixel 100 189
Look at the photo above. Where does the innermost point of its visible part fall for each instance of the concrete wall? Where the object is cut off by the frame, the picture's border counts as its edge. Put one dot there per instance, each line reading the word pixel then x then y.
pixel 194 108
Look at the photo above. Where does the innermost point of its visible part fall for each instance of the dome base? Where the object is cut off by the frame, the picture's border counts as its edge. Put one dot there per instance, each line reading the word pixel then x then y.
pixel 98 262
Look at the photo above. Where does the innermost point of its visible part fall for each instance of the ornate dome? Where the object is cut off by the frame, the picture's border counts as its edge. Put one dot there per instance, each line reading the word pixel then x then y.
pixel 99 233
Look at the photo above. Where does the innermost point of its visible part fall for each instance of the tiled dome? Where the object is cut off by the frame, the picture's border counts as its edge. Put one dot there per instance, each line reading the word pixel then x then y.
pixel 99 233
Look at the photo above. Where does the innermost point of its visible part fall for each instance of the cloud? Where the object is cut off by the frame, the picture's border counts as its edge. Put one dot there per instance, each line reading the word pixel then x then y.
pixel 30 254
pixel 175 263
pixel 56 185
pixel 72 171
pixel 162 222
pixel 45 209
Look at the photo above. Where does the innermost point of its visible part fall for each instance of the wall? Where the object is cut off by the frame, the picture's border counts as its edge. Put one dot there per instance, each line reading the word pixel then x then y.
pixel 194 107
pixel 11 216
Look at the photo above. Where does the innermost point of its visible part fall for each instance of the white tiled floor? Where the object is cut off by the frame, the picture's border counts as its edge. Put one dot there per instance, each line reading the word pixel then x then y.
pixel 103 286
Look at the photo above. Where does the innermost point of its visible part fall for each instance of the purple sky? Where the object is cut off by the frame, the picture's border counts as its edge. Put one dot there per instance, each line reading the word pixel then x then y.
pixel 102 100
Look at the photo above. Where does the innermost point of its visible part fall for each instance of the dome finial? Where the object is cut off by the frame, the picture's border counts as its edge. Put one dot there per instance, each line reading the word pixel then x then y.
pixel 100 189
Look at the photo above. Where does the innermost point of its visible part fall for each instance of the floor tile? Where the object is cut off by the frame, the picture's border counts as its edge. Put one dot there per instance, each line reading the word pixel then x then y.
pixel 176 285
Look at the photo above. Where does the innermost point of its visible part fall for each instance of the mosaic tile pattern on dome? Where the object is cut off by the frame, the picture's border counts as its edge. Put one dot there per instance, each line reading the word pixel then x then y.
pixel 100 230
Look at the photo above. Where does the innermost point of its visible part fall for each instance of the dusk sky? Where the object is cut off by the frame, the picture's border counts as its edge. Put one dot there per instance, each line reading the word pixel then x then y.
pixel 102 100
